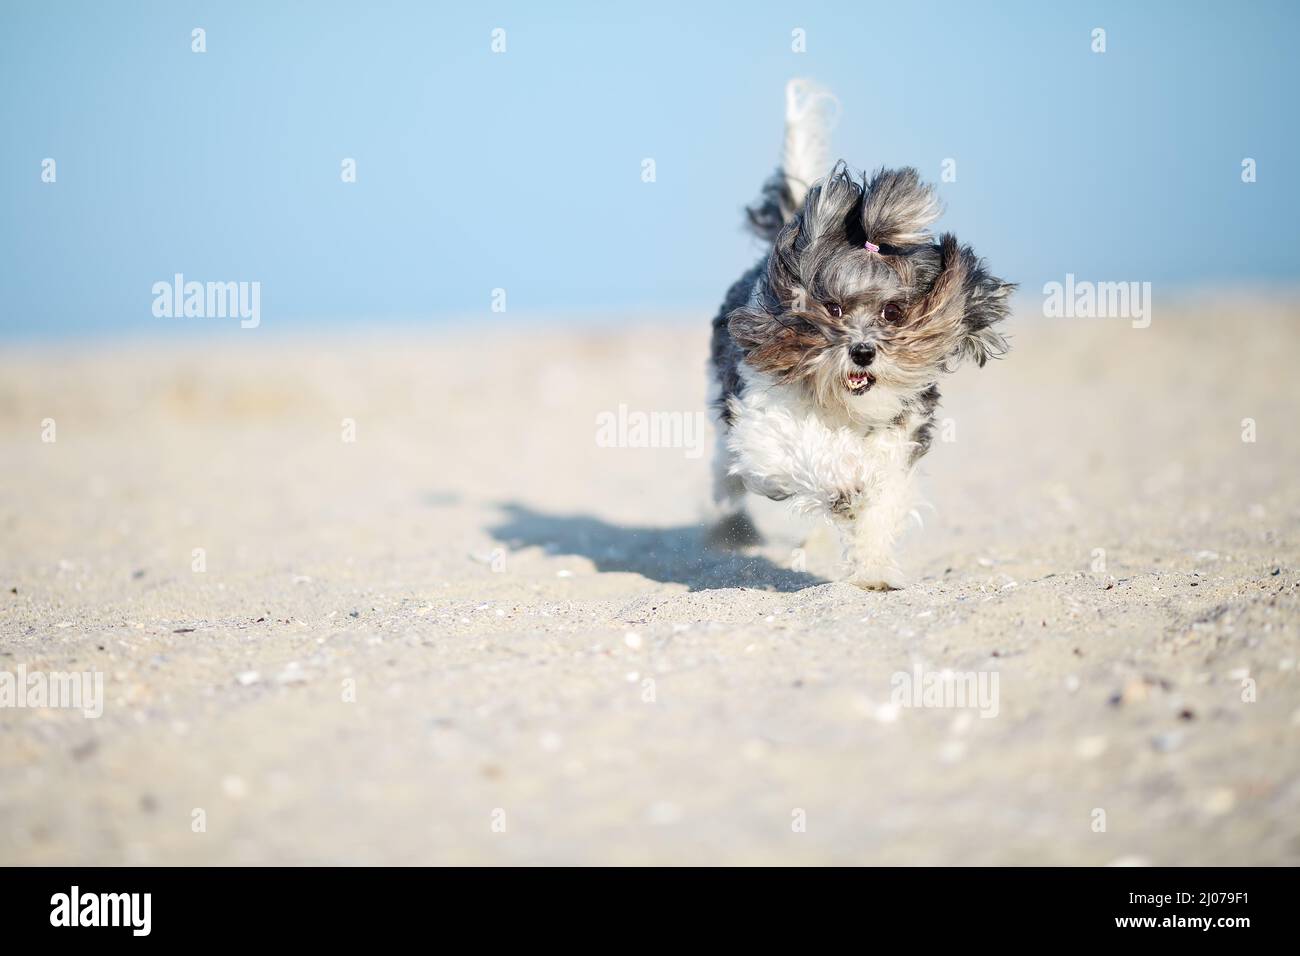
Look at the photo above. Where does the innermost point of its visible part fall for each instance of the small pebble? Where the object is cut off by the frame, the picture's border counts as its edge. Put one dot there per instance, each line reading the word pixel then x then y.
pixel 1090 748
pixel 1134 692
pixel 664 813
pixel 85 750
pixel 1221 801
pixel 1167 743
pixel 292 674
pixel 755 749
pixel 885 713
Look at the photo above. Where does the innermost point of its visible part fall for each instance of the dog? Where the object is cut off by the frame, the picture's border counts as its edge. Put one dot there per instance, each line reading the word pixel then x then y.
pixel 826 355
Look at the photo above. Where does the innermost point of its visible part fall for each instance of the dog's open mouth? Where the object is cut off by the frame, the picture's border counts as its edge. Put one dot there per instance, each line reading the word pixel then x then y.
pixel 859 381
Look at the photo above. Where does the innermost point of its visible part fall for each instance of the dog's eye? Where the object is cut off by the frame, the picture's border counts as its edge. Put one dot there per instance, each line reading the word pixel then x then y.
pixel 892 312
pixel 834 309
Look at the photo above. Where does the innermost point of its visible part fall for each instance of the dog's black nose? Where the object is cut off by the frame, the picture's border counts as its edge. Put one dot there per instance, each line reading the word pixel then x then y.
pixel 863 353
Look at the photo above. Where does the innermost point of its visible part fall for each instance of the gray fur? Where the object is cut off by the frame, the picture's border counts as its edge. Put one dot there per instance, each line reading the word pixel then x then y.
pixel 778 316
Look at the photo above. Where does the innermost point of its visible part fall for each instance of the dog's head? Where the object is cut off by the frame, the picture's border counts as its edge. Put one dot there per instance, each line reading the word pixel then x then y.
pixel 861 304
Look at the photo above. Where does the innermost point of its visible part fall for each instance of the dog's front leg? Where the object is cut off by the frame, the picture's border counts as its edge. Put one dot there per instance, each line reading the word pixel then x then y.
pixel 871 523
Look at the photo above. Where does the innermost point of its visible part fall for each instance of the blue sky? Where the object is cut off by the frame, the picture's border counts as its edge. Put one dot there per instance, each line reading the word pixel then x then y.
pixel 522 170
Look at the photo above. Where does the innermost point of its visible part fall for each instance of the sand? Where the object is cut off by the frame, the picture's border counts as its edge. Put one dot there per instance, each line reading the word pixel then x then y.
pixel 474 635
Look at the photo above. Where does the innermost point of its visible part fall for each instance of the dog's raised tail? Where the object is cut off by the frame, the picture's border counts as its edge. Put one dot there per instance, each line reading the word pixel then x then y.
pixel 810 112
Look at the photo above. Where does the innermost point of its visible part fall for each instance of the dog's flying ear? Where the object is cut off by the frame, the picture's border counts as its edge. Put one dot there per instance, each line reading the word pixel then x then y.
pixel 751 328
pixel 897 208
pixel 772 343
pixel 969 300
pixel 987 302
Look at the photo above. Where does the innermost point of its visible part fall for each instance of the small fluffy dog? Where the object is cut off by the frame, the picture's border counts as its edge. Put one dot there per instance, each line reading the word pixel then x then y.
pixel 827 354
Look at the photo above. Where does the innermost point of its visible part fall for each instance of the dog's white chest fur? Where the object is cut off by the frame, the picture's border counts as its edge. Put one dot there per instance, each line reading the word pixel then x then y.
pixel 852 463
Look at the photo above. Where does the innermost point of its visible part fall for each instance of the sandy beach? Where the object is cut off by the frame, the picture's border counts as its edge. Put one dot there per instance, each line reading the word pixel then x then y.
pixel 475 634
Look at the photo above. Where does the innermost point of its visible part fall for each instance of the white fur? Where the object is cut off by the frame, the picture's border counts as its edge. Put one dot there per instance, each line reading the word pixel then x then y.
pixel 850 463
pixel 809 115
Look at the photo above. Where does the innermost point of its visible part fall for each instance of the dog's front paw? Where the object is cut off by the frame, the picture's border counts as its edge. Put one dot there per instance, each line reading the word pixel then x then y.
pixel 878 577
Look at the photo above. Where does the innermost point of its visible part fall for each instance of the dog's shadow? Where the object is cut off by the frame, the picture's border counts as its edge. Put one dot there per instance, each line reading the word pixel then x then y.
pixel 678 555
